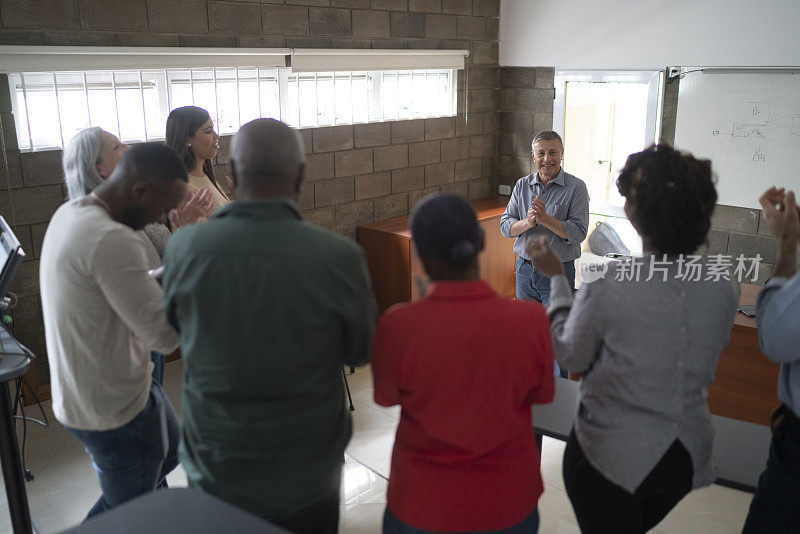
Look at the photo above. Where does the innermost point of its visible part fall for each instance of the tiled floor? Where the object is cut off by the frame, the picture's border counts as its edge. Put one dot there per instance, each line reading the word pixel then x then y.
pixel 65 486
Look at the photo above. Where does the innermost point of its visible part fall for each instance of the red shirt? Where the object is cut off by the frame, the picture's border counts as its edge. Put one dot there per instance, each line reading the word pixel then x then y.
pixel 465 365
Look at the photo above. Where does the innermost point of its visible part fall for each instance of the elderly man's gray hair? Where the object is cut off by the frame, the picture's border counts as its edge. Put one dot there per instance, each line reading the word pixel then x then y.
pixel 547 135
pixel 81 156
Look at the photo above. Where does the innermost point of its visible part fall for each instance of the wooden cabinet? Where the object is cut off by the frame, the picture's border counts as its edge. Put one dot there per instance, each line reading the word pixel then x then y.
pixel 393 266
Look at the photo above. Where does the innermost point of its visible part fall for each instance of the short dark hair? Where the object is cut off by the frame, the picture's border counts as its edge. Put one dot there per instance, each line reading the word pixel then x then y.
pixel 547 135
pixel 183 123
pixel 154 162
pixel 444 227
pixel 672 195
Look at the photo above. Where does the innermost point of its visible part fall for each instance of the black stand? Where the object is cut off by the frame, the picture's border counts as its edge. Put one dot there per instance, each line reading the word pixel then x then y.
pixel 11 367
pixel 347 387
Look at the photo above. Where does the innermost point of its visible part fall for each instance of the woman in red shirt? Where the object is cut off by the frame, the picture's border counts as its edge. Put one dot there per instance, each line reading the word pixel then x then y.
pixel 465 365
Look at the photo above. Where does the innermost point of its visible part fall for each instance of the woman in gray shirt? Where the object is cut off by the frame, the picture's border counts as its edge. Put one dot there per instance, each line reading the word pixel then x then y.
pixel 646 337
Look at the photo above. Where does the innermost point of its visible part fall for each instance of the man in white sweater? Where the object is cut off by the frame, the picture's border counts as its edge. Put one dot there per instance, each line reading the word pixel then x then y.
pixel 103 315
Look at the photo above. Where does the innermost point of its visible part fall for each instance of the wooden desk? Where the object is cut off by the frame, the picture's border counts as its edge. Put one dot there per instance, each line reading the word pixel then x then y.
pixel 746 387
pixel 392 264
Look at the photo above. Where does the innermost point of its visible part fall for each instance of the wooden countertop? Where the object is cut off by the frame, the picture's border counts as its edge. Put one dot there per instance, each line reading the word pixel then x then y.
pixel 485 208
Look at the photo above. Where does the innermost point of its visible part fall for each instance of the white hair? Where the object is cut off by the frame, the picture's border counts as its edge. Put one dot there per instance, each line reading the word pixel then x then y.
pixel 81 156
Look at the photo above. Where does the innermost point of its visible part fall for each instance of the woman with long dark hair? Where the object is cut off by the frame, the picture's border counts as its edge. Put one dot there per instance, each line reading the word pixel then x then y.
pixel 646 337
pixel 465 365
pixel 190 131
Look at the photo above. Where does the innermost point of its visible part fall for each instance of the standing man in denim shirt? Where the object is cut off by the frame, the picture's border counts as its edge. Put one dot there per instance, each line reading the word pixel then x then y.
pixel 776 503
pixel 550 203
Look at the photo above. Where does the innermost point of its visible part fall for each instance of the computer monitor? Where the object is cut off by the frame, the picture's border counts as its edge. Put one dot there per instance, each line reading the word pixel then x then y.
pixel 11 256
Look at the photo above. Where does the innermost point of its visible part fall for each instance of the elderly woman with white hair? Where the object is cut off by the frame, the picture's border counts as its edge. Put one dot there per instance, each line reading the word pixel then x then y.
pixel 89 158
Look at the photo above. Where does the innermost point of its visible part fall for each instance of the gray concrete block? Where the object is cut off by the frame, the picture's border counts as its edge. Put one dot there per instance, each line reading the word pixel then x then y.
pixel 545 77
pixel 482 100
pixel 147 39
pixel 37 237
pixel 440 128
pixel 319 166
pixel 308 42
pixel 408 179
pixel 11 176
pixel 471 124
pixel 329 21
pixel 735 219
pixel 506 144
pixel 353 162
pixel 513 166
pixel 371 134
pixel 261 41
pixel 306 135
pixel 390 44
pixel 480 188
pixel 409 25
pixel 762 224
pixel 439 173
pixel 42 168
pixel 333 138
pixel 490 122
pixel 425 44
pixel 390 5
pixel 354 214
pixel 9 129
pixel 5 101
pixel 456 148
pixel 716 242
pixel 486 8
pixel 751 245
pixel 31 205
pixel 370 23
pixel 390 206
pixel 416 196
pixel 492 29
pixel 542 121
pixel 339 42
pixel 331 192
pixel 28 316
pixel 208 41
pixel 485 52
pixel 23 233
pixel 456 188
pixel 24 14
pixel 79 38
pixel 441 26
pixel 408 131
pixel 26 283
pixel 284 20
pixel 180 16
pixel 424 153
pixel 425 6
pixel 21 37
pixel 355 4
pixel 227 17
pixel 480 145
pixel 489 167
pixel 305 198
pixel 373 185
pixel 537 100
pixel 391 157
pixel 468 169
pixel 518 122
pixel 471 28
pixel 481 77
pixel 324 217
pixel 514 77
pixel 98 15
pixel 307 2
pixel 459 7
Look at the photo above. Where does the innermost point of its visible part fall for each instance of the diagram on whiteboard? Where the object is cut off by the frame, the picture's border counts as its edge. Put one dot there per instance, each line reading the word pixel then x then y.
pixel 748 125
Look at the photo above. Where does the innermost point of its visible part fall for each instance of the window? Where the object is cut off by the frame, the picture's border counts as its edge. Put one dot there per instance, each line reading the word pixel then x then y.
pixel 50 107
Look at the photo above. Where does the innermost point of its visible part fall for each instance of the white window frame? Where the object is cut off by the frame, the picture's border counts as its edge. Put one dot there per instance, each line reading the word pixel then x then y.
pixel 21 59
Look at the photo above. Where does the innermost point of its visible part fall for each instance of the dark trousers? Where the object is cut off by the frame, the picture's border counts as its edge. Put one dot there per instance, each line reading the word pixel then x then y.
pixel 776 504
pixel 603 507
pixel 320 518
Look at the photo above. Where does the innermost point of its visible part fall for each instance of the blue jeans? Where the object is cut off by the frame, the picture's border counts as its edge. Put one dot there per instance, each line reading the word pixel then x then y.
pixel 776 503
pixel 135 458
pixel 533 285
pixel 159 360
pixel 392 525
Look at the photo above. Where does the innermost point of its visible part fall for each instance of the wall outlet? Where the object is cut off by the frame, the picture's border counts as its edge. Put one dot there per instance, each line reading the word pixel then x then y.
pixel 505 190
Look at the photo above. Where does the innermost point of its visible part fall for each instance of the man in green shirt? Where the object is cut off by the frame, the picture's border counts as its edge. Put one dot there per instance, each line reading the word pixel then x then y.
pixel 268 308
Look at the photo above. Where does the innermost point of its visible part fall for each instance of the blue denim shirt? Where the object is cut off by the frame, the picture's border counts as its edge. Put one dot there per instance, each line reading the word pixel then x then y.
pixel 566 198
pixel 778 318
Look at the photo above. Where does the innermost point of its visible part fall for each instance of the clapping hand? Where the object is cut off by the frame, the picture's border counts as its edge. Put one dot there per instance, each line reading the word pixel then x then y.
pixel 781 214
pixel 543 258
pixel 196 207
pixel 539 208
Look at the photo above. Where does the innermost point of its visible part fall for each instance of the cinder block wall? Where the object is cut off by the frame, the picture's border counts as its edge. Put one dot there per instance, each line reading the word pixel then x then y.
pixel 356 174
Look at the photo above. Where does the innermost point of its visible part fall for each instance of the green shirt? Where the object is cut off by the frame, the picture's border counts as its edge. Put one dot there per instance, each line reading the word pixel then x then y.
pixel 268 308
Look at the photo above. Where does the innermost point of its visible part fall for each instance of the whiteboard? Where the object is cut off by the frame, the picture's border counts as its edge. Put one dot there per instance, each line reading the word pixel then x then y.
pixel 748 124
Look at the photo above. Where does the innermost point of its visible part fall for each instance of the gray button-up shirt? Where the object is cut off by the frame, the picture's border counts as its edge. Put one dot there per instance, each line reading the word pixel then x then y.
pixel 648 350
pixel 778 318
pixel 566 198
